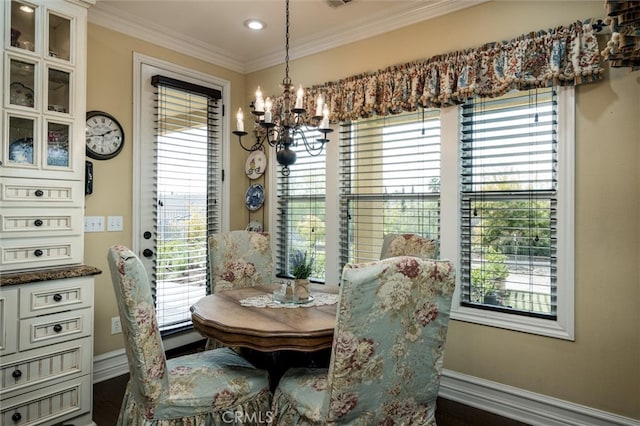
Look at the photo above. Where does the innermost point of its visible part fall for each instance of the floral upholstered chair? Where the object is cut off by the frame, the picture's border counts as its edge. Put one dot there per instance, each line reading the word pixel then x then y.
pixel 239 259
pixel 387 351
pixel 408 245
pixel 205 388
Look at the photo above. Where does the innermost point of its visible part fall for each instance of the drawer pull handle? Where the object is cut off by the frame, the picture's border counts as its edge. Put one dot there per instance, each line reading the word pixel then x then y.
pixel 38 222
pixel 38 253
pixel 16 374
pixel 57 297
pixel 39 192
pixel 57 328
pixel 16 417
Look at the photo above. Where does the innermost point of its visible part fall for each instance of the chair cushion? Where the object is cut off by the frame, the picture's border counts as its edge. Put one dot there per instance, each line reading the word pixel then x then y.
pixel 395 245
pixel 217 379
pixel 210 387
pixel 300 394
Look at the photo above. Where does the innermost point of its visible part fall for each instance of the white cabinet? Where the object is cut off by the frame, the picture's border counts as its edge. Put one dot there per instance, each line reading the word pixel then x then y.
pixel 47 352
pixel 8 313
pixel 42 158
pixel 46 294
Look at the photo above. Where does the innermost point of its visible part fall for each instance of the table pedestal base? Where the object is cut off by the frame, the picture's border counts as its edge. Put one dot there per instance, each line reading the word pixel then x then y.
pixel 278 362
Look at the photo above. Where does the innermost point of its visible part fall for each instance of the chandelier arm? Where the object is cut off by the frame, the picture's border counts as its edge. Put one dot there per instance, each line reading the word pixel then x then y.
pixel 270 137
pixel 313 148
pixel 256 146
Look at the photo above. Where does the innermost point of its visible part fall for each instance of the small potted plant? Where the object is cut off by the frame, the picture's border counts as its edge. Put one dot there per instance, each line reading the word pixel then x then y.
pixel 488 281
pixel 301 268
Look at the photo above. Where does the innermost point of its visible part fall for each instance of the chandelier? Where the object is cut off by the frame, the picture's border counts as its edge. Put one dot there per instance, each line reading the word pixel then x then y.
pixel 284 129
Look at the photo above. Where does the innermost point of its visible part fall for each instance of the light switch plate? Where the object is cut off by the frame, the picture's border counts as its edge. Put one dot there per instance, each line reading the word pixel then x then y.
pixel 114 223
pixel 94 224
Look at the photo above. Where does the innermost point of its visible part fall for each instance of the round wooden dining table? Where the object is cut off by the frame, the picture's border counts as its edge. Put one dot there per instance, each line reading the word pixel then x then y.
pixel 220 316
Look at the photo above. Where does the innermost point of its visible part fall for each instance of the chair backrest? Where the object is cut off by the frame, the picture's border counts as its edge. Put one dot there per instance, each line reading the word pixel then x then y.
pixel 239 259
pixel 142 341
pixel 395 245
pixel 388 345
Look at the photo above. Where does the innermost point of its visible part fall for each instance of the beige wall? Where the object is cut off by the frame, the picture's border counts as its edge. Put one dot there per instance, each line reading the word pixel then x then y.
pixel 110 89
pixel 601 368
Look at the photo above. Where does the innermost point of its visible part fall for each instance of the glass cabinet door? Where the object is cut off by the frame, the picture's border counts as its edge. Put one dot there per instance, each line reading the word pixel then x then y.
pixel 57 145
pixel 59 37
pixel 22 77
pixel 58 90
pixel 23 26
pixel 21 147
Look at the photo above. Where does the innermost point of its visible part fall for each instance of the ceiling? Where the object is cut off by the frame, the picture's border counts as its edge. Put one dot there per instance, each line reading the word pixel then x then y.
pixel 213 30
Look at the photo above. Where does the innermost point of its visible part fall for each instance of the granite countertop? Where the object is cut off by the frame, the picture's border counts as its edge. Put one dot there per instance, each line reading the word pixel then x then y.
pixel 23 277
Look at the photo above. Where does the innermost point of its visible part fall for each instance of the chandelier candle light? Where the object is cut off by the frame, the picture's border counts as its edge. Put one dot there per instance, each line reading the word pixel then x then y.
pixel 283 129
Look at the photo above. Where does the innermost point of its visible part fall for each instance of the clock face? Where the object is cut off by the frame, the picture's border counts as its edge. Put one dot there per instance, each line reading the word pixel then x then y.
pixel 104 135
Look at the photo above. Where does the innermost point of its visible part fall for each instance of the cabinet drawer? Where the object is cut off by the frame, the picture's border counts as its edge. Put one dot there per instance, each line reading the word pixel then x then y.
pixel 58 402
pixel 44 222
pixel 48 365
pixel 55 296
pixel 55 328
pixel 41 192
pixel 8 321
pixel 30 253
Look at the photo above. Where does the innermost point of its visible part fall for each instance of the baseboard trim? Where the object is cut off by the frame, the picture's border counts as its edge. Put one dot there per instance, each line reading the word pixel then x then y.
pixel 114 364
pixel 110 365
pixel 503 400
pixel 522 405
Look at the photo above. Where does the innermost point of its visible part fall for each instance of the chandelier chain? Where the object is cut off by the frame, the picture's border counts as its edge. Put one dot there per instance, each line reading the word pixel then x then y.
pixel 287 80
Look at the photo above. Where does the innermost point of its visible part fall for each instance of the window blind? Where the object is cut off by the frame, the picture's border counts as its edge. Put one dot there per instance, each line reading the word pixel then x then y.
pixel 301 210
pixel 389 181
pixel 508 203
pixel 186 190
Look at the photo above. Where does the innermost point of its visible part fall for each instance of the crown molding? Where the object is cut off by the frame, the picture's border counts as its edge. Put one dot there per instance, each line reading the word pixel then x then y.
pixel 109 17
pixel 370 26
pixel 414 12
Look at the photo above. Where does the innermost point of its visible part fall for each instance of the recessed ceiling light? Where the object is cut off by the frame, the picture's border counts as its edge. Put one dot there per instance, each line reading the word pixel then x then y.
pixel 254 24
pixel 26 8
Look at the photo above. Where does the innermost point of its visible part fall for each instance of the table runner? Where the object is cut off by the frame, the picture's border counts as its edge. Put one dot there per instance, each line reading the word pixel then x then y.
pixel 266 301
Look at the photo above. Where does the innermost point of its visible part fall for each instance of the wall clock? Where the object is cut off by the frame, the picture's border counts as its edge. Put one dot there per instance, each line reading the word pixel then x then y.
pixel 104 135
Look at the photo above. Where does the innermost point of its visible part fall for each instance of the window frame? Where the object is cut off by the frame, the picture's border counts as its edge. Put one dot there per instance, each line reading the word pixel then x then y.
pixel 563 326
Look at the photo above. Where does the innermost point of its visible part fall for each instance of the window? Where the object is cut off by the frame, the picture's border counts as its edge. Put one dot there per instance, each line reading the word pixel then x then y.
pixel 180 187
pixel 515 198
pixel 301 212
pixel 389 182
pixel 487 179
pixel 508 205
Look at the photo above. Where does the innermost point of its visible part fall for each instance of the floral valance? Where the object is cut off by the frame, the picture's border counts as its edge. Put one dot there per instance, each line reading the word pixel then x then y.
pixel 623 49
pixel 561 56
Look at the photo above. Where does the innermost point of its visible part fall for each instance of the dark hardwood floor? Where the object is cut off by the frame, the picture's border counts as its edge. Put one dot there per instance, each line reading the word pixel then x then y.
pixel 107 397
